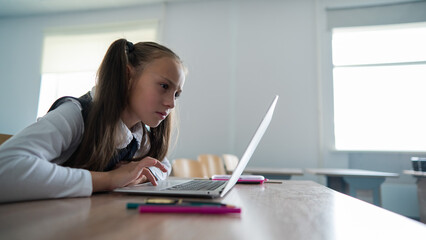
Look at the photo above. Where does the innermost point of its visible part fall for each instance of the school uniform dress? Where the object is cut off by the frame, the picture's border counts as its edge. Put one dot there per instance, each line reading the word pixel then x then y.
pixel 30 161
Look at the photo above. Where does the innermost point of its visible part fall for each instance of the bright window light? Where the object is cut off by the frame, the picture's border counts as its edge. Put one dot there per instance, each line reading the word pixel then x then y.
pixel 379 44
pixel 379 81
pixel 71 57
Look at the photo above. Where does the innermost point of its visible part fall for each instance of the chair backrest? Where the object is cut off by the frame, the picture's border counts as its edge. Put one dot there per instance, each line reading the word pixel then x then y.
pixel 213 164
pixel 188 168
pixel 231 162
pixel 4 137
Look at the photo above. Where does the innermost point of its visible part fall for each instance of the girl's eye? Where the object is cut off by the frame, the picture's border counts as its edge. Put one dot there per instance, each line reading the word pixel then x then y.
pixel 177 94
pixel 165 86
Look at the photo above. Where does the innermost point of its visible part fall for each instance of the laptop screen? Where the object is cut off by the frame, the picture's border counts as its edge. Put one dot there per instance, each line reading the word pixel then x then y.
pixel 251 147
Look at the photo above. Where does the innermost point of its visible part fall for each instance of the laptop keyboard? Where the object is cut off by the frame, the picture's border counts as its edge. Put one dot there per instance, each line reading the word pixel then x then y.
pixel 196 185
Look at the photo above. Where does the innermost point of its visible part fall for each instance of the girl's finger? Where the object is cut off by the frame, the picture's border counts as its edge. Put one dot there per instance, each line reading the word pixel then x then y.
pixel 159 165
pixel 149 162
pixel 149 176
pixel 142 179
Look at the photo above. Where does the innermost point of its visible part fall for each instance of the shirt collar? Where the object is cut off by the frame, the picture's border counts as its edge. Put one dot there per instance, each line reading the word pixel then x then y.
pixel 126 135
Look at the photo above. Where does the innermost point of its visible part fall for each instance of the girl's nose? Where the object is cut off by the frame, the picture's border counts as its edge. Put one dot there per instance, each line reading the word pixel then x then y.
pixel 170 101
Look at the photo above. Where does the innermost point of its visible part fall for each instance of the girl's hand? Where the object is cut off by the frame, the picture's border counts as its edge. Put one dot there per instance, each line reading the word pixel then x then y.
pixel 143 177
pixel 126 174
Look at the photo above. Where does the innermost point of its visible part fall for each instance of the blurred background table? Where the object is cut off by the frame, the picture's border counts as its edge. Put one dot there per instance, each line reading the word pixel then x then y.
pixel 354 181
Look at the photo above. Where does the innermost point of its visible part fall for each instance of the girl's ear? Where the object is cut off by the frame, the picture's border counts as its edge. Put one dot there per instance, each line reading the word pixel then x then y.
pixel 129 71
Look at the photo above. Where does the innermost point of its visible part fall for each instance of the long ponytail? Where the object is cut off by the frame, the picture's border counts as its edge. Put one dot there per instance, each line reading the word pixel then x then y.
pixel 98 144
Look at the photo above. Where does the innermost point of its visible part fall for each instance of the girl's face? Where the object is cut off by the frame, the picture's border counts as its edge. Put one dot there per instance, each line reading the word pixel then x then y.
pixel 154 93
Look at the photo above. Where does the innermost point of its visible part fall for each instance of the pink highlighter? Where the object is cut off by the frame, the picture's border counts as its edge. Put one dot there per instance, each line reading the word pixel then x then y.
pixel 205 209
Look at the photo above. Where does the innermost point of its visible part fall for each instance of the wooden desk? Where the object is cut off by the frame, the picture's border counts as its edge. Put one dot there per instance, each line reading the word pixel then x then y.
pixel 421 191
pixel 291 210
pixel 352 181
pixel 274 173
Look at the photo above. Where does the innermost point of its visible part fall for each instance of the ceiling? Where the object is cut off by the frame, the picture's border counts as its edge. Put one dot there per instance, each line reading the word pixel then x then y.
pixel 20 8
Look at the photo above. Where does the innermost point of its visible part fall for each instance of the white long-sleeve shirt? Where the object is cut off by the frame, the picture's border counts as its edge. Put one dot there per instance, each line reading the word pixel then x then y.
pixel 30 161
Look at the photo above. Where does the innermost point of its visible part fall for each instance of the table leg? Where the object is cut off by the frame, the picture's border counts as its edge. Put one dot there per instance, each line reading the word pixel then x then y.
pixel 366 183
pixel 421 195
pixel 337 183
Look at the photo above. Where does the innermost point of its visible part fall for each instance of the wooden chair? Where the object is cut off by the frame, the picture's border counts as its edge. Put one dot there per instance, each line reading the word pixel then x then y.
pixel 188 168
pixel 230 161
pixel 213 164
pixel 4 137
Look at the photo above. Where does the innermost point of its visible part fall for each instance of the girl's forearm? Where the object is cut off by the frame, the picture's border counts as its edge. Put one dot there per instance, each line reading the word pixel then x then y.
pixel 101 181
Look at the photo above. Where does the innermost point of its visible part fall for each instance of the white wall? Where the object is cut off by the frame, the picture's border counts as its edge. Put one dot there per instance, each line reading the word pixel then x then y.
pixel 239 53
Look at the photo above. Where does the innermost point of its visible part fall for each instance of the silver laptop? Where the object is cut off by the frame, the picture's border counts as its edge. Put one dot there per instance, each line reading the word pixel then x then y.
pixel 204 188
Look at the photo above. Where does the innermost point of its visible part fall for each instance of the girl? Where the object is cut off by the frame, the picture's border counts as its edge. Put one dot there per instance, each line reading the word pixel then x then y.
pixel 116 135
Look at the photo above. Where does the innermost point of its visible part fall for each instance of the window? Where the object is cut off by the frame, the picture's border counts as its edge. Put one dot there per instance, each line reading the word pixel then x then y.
pixel 379 81
pixel 71 57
